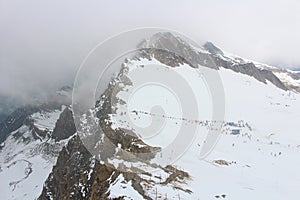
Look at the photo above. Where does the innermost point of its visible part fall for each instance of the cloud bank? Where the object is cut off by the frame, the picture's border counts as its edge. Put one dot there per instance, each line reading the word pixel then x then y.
pixel 42 43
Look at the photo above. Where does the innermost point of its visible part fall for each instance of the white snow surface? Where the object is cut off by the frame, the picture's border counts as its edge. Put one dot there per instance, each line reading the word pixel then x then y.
pixel 122 188
pixel 262 159
pixel 26 162
pixel 285 77
pixel 46 120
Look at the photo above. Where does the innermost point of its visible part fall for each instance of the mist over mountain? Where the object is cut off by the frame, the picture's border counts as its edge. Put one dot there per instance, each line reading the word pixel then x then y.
pixel 59 156
pixel 205 106
pixel 43 51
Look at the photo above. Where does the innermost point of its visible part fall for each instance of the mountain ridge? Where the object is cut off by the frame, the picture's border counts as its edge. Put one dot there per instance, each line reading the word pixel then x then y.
pixel 77 174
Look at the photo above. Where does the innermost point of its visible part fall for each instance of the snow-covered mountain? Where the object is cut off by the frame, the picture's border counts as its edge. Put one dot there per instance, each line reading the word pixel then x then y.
pixel 256 157
pixel 31 139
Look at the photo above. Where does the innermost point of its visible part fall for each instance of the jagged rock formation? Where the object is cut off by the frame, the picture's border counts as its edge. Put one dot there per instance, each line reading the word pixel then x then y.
pixel 78 175
pixel 164 45
pixel 15 121
pixel 29 144
pixel 20 115
pixel 65 126
pixel 209 56
pixel 128 139
pixel 211 48
pixel 295 76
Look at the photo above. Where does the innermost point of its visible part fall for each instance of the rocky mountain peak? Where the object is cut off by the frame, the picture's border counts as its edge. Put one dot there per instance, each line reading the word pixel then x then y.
pixel 166 45
pixel 65 126
pixel 78 175
pixel 211 48
pixel 173 51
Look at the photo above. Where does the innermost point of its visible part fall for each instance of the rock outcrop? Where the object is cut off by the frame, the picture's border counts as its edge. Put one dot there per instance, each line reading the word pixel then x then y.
pixel 77 175
pixel 166 46
pixel 65 126
pixel 15 121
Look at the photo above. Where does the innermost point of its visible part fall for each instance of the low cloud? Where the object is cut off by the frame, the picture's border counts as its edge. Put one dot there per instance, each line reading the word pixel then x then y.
pixel 42 43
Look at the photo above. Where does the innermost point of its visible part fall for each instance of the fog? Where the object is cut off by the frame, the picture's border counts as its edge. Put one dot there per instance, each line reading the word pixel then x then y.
pixel 42 43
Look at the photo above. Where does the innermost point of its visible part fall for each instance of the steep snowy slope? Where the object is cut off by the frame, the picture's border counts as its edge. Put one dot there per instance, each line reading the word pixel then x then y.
pixel 259 144
pixel 32 139
pixel 156 96
pixel 158 93
pixel 261 161
pixel 27 158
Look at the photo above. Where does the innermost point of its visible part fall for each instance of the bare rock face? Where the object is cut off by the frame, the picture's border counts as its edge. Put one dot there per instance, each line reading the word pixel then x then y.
pixel 166 48
pixel 128 139
pixel 211 48
pixel 262 75
pixel 21 115
pixel 296 76
pixel 65 126
pixel 77 175
pixel 15 121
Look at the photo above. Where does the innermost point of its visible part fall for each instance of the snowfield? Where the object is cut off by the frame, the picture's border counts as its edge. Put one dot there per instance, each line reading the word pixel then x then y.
pixel 46 120
pixel 263 160
pixel 26 162
pixel 257 156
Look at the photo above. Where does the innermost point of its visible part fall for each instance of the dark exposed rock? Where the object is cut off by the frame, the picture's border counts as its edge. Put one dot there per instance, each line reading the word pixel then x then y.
pixel 175 45
pixel 250 69
pixel 21 116
pixel 77 175
pixel 222 162
pixel 64 126
pixel 215 59
pixel 295 76
pixel 165 57
pixel 211 48
pixel 15 121
pixel 175 174
pixel 128 139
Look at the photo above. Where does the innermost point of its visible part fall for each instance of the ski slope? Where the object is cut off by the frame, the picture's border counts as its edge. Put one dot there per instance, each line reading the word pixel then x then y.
pixel 259 162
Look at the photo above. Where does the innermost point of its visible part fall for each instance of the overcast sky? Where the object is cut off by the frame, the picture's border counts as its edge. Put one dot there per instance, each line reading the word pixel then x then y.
pixel 42 43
